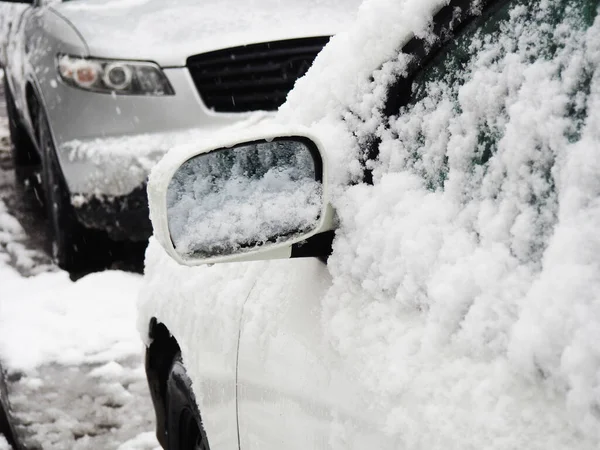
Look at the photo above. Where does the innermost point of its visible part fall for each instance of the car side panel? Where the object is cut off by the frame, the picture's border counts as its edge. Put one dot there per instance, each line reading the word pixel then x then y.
pixel 15 63
pixel 201 307
pixel 45 36
pixel 35 38
pixel 294 390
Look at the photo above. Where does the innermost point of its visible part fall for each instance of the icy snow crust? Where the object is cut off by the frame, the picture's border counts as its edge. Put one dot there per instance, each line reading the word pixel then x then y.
pixel 231 200
pixel 465 283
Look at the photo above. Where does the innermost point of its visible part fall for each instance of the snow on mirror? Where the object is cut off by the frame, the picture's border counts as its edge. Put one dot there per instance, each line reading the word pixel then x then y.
pixel 234 200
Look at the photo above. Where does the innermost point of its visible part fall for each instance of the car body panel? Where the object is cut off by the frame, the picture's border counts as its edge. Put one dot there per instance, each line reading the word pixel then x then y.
pixel 295 391
pixel 29 59
pixel 169 32
pixel 205 312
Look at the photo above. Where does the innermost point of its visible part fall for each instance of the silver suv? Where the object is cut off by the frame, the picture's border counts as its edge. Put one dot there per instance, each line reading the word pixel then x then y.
pixel 98 90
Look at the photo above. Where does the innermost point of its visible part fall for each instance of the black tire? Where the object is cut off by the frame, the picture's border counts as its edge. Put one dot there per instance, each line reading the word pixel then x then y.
pixel 6 423
pixel 184 425
pixel 25 157
pixel 74 248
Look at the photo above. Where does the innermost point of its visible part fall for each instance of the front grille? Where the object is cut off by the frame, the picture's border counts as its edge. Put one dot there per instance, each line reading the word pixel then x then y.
pixel 252 77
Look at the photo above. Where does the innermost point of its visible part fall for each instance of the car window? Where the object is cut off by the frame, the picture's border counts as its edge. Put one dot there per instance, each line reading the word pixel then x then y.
pixel 448 22
pixel 525 30
pixel 449 67
pixel 489 118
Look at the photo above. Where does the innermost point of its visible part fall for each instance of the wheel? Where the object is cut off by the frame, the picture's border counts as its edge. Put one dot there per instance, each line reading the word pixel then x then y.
pixel 24 154
pixel 184 426
pixel 6 426
pixel 74 248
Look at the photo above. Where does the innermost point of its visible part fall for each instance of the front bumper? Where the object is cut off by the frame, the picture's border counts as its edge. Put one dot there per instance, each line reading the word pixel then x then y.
pixel 107 144
pixel 123 218
pixel 107 179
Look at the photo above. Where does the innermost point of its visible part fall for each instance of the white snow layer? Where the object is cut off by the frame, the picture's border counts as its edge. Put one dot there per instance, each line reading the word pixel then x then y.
pixel 47 318
pixel 3 444
pixel 466 281
pixel 79 330
pixel 169 32
pixel 12 248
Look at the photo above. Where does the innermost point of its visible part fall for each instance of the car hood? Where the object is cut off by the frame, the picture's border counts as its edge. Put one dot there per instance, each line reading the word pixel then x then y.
pixel 167 32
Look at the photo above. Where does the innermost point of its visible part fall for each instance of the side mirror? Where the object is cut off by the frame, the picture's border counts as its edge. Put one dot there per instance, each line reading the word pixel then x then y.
pixel 249 200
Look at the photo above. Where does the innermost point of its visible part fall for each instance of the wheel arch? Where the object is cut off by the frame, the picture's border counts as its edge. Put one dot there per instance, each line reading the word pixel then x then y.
pixel 24 142
pixel 159 358
pixel 33 103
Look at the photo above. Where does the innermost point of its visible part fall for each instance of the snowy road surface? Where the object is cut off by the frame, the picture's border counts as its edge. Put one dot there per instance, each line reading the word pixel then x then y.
pixel 73 355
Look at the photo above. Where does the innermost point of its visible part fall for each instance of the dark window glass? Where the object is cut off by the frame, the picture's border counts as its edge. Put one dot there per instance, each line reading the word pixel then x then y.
pixel 436 83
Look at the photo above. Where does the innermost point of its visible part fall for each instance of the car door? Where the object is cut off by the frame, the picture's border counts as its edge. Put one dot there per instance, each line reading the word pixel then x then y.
pixel 294 390
pixel 297 387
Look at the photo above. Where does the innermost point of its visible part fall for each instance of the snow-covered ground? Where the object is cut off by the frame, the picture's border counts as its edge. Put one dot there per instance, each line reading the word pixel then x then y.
pixel 3 444
pixel 73 355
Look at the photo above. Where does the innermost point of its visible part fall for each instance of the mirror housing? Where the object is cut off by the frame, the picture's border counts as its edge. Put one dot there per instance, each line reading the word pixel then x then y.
pixel 200 204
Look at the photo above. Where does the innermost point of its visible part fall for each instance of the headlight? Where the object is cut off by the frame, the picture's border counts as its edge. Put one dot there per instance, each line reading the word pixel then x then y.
pixel 120 77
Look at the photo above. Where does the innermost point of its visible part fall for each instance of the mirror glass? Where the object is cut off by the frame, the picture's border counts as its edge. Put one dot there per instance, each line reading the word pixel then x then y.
pixel 233 200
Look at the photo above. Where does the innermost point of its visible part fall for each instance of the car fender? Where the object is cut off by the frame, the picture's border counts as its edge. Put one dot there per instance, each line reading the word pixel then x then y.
pixel 40 36
pixel 201 307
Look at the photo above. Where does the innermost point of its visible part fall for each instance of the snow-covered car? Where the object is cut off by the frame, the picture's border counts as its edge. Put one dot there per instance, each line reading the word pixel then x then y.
pixel 437 174
pixel 98 90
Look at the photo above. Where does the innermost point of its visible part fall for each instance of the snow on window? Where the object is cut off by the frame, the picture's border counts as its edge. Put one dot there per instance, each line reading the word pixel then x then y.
pixel 235 199
pixel 479 237
pixel 341 83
